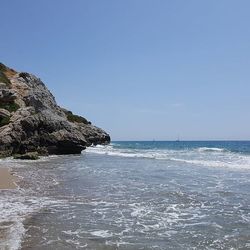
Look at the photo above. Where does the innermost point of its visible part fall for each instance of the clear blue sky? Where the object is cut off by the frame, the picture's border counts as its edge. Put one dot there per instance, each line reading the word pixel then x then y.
pixel 139 69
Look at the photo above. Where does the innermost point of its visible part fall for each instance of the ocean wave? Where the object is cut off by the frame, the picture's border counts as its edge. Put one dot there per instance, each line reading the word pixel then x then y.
pixel 244 163
pixel 206 149
pixel 203 156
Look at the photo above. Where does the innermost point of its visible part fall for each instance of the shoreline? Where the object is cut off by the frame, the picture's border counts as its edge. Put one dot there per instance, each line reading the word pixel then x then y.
pixel 7 180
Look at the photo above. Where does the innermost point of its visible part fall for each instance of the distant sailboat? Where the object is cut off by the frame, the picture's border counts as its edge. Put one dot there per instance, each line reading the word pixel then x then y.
pixel 178 139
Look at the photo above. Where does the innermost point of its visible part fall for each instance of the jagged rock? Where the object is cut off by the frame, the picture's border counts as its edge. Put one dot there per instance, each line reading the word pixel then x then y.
pixel 4 113
pixel 38 124
pixel 7 95
pixel 3 85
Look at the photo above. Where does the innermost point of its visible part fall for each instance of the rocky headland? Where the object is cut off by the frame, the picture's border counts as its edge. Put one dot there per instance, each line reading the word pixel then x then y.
pixel 31 120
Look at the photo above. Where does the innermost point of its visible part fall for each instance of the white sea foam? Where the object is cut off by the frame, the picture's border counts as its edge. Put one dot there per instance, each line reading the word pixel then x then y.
pixel 206 149
pixel 101 233
pixel 240 162
pixel 12 213
pixel 203 156
pixel 12 234
pixel 70 232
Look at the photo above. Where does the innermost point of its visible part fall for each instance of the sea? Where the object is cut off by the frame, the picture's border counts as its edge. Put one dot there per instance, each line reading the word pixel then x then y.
pixel 131 195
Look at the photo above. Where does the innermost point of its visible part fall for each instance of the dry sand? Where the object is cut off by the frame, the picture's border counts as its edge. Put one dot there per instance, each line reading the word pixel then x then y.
pixel 7 181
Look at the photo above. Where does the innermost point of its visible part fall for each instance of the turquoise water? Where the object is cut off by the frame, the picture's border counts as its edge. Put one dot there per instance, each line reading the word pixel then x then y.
pixel 135 195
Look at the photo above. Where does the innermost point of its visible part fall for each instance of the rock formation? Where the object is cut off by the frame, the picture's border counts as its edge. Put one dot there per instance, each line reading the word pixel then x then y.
pixel 31 120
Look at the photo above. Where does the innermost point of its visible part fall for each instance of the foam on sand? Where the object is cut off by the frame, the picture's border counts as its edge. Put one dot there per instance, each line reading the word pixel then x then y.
pixel 14 209
pixel 16 205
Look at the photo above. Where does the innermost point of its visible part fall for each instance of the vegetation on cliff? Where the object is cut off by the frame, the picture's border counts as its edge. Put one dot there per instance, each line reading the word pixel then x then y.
pixel 5 73
pixel 75 118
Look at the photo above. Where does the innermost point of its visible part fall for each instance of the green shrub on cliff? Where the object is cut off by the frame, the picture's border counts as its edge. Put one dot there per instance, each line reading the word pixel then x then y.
pixel 5 74
pixel 4 78
pixel 76 118
pixel 11 107
pixel 2 67
pixel 4 121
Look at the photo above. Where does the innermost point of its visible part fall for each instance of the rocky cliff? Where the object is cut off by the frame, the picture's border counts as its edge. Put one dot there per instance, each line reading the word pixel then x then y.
pixel 31 120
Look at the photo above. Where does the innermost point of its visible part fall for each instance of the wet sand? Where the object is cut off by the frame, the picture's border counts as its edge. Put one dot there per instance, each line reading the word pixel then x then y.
pixel 7 181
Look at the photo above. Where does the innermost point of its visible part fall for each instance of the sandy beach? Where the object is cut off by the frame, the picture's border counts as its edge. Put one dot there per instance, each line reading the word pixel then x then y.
pixel 7 181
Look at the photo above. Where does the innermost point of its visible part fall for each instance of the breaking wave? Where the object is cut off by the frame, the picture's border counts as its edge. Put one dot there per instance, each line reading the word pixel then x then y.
pixel 206 149
pixel 201 156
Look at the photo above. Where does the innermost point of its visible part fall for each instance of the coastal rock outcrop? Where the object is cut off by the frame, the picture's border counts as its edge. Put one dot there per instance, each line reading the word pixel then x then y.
pixel 31 120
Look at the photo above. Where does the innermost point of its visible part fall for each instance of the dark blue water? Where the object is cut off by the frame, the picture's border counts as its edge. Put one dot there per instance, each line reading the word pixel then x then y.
pixel 139 195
